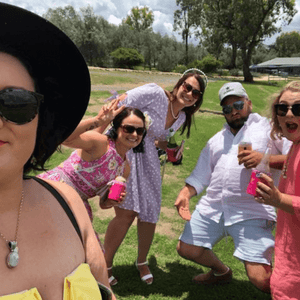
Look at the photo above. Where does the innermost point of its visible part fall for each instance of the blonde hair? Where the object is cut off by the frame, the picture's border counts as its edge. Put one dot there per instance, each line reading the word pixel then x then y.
pixel 276 131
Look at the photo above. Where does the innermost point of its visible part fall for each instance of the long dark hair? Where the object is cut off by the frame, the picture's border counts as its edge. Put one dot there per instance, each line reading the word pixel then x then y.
pixel 189 111
pixel 117 122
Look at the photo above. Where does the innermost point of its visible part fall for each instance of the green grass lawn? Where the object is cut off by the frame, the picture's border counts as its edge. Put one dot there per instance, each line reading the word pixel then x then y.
pixel 172 274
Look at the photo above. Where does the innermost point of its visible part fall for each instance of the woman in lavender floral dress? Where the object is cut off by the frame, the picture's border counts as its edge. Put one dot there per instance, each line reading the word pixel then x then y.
pixel 164 111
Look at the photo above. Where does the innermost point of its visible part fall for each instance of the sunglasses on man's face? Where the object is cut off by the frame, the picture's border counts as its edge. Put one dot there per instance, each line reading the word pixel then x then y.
pixel 282 109
pixel 238 105
pixel 131 129
pixel 187 87
pixel 19 106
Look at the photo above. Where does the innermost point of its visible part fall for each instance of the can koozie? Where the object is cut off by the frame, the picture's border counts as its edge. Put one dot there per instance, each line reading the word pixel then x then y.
pixel 255 178
pixel 115 190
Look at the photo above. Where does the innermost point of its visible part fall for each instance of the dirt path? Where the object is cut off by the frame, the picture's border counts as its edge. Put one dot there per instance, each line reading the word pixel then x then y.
pixel 162 79
pixel 163 227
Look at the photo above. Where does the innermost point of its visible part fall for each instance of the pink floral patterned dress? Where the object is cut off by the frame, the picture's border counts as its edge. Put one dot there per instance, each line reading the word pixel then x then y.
pixel 88 178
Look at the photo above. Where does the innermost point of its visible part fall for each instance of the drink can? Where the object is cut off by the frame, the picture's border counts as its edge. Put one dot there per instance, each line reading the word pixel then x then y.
pixel 255 178
pixel 115 190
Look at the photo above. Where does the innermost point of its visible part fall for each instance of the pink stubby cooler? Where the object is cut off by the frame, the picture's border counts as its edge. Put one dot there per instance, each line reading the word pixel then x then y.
pixel 255 177
pixel 118 186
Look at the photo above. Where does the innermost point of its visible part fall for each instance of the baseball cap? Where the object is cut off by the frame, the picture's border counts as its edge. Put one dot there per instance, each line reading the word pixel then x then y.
pixel 232 89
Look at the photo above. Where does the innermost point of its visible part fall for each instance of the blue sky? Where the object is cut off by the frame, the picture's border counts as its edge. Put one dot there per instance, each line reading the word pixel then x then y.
pixel 116 10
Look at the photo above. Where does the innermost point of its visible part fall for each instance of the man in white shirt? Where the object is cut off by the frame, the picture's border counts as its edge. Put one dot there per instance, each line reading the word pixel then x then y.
pixel 226 208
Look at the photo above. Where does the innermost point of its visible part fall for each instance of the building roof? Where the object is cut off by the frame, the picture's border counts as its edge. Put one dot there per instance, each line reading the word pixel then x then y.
pixel 280 62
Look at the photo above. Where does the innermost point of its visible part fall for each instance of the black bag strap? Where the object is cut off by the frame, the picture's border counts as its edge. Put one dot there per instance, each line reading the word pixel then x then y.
pixel 62 202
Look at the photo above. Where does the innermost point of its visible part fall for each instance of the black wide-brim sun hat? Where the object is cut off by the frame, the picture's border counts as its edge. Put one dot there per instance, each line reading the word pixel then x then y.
pixel 51 54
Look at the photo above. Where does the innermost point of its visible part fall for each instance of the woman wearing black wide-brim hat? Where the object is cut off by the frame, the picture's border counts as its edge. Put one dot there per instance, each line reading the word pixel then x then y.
pixel 48 248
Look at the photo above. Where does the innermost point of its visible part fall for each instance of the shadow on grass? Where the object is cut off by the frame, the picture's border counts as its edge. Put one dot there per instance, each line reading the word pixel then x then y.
pixel 175 282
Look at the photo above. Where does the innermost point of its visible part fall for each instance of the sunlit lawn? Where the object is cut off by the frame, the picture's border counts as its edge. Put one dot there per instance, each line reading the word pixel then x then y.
pixel 172 274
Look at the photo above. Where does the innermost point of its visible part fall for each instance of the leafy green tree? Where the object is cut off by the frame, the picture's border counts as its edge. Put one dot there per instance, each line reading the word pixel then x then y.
pixel 127 58
pixel 213 42
pixel 124 37
pixel 160 42
pixel 67 20
pixel 149 47
pixel 263 53
pixel 195 52
pixel 89 32
pixel 247 22
pixel 208 64
pixel 169 54
pixel 97 39
pixel 218 32
pixel 140 18
pixel 288 44
pixel 166 61
pixel 186 19
pixel 105 45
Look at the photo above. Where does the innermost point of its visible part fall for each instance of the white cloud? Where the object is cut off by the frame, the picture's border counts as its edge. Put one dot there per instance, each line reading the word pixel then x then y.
pixel 168 26
pixel 116 10
pixel 114 20
pixel 41 7
pixel 162 23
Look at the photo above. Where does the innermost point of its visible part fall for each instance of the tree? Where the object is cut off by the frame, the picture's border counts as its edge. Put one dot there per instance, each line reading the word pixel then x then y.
pixel 97 39
pixel 185 19
pixel 263 53
pixel 288 44
pixel 213 42
pixel 169 54
pixel 89 32
pixel 140 18
pixel 124 37
pixel 208 64
pixel 149 47
pixel 219 32
pixel 166 60
pixel 247 23
pixel 67 20
pixel 127 58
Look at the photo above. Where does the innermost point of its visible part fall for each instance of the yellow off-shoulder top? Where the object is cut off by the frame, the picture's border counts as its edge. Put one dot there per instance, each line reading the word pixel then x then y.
pixel 80 284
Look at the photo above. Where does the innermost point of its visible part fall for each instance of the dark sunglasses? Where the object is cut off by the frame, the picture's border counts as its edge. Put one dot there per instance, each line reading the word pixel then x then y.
pixel 238 105
pixel 19 106
pixel 195 93
pixel 282 109
pixel 132 129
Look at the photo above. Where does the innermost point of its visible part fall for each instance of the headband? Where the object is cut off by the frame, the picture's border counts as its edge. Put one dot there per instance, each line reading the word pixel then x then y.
pixel 194 70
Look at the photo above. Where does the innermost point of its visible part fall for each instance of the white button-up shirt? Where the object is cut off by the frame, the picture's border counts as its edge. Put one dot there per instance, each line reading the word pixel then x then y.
pixel 226 181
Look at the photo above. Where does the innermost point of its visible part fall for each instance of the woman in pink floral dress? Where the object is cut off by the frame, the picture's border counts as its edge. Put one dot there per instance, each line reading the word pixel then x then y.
pixel 100 158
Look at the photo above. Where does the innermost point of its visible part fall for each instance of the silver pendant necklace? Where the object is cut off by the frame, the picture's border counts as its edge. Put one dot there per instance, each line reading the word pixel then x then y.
pixel 12 258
